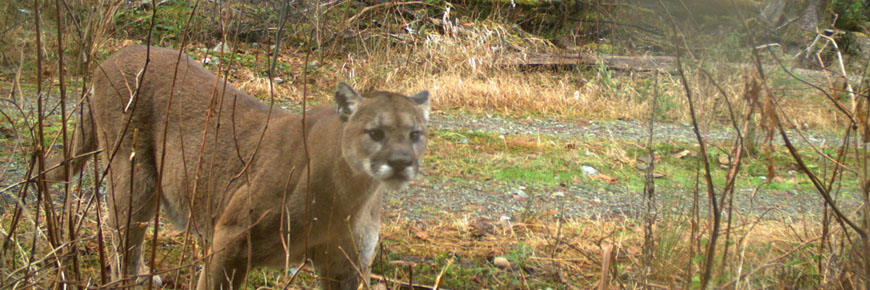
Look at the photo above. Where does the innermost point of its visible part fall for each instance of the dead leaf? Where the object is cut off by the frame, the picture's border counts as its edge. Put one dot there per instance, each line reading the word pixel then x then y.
pixel 644 158
pixel 127 42
pixel 604 178
pixel 402 263
pixel 682 153
pixel 422 235
pixel 724 161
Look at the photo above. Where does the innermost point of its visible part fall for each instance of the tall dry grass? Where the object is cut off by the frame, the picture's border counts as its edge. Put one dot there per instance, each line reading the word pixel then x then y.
pixel 54 239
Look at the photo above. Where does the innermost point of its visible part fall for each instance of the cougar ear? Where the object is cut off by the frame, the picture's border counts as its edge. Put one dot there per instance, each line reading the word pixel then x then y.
pixel 422 101
pixel 347 100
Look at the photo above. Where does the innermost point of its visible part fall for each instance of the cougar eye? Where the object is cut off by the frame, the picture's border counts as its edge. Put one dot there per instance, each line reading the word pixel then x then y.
pixel 376 134
pixel 415 135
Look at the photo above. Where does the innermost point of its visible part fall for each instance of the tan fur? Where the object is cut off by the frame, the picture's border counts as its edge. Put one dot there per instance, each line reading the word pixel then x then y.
pixel 247 209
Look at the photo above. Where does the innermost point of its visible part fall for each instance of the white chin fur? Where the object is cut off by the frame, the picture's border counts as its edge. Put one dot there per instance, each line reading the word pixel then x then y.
pixel 386 175
pixel 383 171
pixel 410 172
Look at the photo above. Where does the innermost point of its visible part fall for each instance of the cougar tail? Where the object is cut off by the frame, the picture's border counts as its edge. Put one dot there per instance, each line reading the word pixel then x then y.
pixel 83 143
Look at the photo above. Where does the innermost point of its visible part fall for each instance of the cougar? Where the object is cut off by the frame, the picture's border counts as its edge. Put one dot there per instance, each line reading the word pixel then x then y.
pixel 258 186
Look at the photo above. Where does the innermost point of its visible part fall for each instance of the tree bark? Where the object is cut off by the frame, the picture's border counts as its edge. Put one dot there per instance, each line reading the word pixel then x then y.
pixel 811 15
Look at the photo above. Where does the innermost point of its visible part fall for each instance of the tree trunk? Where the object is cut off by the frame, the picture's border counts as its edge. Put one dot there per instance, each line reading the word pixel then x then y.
pixel 811 16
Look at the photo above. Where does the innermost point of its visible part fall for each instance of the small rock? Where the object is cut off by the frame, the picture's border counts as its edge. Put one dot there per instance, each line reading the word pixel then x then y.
pixel 558 194
pixel 481 227
pixel 278 80
pixel 463 141
pixel 501 262
pixel 505 220
pixel 211 61
pixel 588 170
pixel 521 193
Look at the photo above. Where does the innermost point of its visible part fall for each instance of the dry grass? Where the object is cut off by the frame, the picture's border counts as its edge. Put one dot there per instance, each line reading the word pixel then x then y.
pixel 549 252
pixel 463 71
pixel 544 252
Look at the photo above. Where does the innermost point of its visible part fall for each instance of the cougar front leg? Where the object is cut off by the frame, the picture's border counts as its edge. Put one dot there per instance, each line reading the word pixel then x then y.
pixel 336 266
pixel 345 263
pixel 367 233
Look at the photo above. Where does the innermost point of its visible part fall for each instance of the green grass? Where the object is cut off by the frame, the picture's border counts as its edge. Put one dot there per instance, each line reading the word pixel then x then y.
pixel 170 22
pixel 550 161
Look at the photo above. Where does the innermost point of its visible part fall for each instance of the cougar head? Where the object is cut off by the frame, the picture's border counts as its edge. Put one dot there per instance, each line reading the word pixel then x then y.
pixel 384 133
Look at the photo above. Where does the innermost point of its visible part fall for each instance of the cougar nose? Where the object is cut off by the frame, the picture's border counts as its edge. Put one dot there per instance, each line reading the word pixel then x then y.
pixel 398 164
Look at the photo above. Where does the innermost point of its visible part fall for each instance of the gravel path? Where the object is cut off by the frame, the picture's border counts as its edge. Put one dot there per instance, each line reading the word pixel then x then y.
pixel 434 198
pixel 618 129
pixel 490 200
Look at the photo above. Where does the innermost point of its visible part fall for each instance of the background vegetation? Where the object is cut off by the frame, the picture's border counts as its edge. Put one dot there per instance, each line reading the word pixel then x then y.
pixel 767 187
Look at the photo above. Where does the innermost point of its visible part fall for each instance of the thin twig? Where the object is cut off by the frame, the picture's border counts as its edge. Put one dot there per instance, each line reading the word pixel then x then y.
pixel 711 193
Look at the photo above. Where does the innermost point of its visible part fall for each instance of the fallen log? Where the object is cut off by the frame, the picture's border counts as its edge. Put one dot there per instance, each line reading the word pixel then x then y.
pixel 644 64
pixel 615 62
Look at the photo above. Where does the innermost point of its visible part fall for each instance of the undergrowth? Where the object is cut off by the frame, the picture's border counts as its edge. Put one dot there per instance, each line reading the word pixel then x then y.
pixel 473 63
